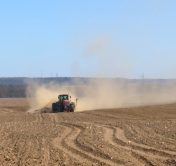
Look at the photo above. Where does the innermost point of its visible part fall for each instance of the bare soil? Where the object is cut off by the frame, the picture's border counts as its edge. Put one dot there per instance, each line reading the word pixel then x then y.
pixel 13 102
pixel 125 136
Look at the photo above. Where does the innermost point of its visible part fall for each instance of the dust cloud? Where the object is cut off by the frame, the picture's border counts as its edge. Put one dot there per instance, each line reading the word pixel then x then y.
pixel 40 95
pixel 103 92
pixel 107 94
pixel 101 57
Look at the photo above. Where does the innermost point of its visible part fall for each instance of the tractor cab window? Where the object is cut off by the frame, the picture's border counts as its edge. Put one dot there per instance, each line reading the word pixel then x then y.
pixel 64 97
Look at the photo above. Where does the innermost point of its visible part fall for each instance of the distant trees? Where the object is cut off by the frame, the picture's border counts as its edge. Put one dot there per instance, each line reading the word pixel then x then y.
pixel 9 91
pixel 16 86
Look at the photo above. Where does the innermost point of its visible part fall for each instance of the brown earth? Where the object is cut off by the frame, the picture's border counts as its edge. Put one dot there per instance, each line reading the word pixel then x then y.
pixel 124 136
pixel 13 102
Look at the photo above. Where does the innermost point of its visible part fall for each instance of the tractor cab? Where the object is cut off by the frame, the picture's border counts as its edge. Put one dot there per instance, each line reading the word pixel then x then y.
pixel 63 97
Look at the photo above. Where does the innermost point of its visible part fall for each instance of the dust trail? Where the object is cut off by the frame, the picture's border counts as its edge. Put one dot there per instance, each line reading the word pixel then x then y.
pixel 102 93
pixel 102 57
pixel 40 96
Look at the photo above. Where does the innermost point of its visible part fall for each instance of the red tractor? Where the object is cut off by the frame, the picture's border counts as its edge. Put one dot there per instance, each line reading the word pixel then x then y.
pixel 64 104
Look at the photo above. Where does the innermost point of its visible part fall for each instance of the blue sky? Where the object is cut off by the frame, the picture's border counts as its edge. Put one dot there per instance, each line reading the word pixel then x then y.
pixel 88 38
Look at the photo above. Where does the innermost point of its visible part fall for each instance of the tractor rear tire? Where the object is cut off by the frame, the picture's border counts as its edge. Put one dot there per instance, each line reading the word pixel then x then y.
pixel 72 107
pixel 54 109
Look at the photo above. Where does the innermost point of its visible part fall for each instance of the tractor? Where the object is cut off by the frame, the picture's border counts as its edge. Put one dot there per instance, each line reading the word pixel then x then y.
pixel 64 104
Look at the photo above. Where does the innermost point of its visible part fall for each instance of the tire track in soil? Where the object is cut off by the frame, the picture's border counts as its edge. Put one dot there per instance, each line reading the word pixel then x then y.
pixel 25 153
pixel 57 117
pixel 119 134
pixel 118 158
pixel 40 117
pixel 36 118
pixel 72 131
pixel 22 136
pixel 68 117
pixel 143 159
pixel 52 118
pixel 19 146
pixel 142 133
pixel 138 150
pixel 109 138
pixel 46 155
pixel 57 142
pixel 137 158
pixel 67 142
pixel 36 151
pixel 97 157
pixel 63 132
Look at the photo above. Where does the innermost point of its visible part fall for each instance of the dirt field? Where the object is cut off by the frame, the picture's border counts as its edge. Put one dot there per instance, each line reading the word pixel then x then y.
pixel 13 102
pixel 126 136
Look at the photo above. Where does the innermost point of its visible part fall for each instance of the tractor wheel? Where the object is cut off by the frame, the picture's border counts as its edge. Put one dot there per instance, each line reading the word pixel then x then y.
pixel 72 107
pixel 54 107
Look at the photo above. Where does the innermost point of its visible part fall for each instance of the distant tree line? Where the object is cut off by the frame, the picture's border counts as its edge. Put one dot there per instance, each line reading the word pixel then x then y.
pixel 76 80
pixel 10 91
pixel 44 80
pixel 16 86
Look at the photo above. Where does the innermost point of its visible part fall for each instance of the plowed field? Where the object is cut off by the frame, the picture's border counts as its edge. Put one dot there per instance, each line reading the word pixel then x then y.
pixel 124 136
